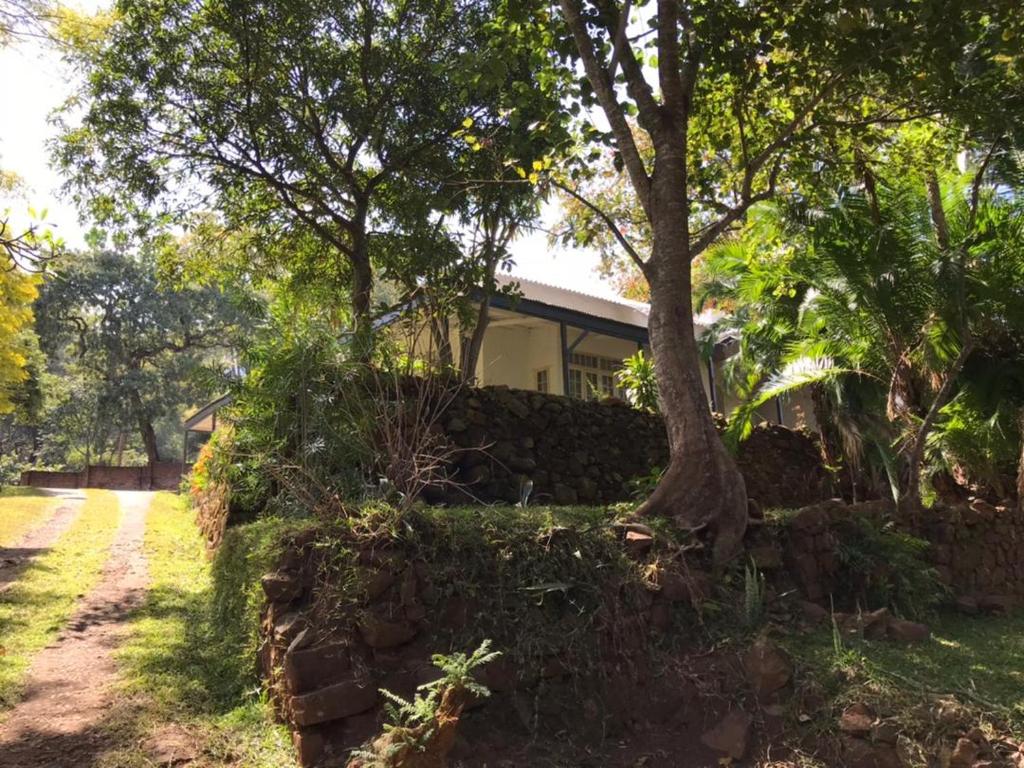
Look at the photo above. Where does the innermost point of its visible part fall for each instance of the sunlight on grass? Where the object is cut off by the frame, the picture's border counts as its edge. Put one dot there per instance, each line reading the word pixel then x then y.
pixel 980 660
pixel 21 510
pixel 181 664
pixel 44 597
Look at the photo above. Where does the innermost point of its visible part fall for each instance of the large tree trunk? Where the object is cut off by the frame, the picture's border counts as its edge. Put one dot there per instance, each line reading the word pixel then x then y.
pixel 702 485
pixel 146 431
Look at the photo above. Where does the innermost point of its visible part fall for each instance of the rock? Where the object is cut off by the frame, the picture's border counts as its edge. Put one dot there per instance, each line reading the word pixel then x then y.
pixel 858 753
pixel 964 754
pixel 732 734
pixel 812 613
pixel 967 605
pixel 996 604
pixel 857 720
pixel 767 557
pixel 638 544
pixel 281 587
pixel 311 668
pixel 376 583
pixel 333 702
pixel 309 745
pixel 288 626
pixel 903 631
pixel 875 625
pixel 885 732
pixel 565 495
pixel 768 667
pixel 380 633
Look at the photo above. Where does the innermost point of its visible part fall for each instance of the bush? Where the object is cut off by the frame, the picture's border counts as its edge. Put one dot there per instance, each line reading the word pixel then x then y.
pixel 880 566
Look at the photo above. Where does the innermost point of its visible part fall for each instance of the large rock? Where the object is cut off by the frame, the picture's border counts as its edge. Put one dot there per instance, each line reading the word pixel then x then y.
pixel 857 720
pixel 903 631
pixel 380 633
pixel 310 668
pixel 858 753
pixel 732 734
pixel 281 587
pixel 768 667
pixel 333 702
pixel 964 754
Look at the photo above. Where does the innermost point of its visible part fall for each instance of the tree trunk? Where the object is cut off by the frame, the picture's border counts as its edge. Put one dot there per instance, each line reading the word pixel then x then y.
pixel 146 431
pixel 362 282
pixel 702 485
pixel 911 501
pixel 471 351
pixel 1020 463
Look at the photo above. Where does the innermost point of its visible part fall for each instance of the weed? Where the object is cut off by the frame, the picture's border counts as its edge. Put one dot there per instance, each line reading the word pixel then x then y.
pixel 415 724
pixel 753 596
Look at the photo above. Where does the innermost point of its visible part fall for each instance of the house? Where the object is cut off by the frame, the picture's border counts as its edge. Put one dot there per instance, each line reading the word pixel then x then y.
pixel 562 341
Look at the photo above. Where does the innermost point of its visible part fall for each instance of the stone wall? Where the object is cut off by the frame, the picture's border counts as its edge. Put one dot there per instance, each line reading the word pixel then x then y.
pixel 579 452
pixel 977 549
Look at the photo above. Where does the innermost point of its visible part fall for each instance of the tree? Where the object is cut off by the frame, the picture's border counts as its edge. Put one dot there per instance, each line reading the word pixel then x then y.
pixel 901 293
pixel 106 322
pixel 296 121
pixel 747 96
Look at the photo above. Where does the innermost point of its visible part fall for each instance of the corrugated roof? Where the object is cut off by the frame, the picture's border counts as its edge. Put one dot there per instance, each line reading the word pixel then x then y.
pixel 622 310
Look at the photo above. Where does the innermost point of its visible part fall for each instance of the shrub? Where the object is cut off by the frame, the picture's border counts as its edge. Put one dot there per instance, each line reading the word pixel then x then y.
pixel 881 566
pixel 638 379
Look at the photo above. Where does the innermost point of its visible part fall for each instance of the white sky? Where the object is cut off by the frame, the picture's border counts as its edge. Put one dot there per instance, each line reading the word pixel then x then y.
pixel 36 81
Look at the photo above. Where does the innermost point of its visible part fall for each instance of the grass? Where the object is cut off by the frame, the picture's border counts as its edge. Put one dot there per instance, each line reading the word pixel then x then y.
pixel 21 509
pixel 42 600
pixel 190 655
pixel 977 661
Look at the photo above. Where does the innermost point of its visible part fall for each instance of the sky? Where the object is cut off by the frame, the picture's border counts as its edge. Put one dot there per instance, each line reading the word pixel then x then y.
pixel 36 82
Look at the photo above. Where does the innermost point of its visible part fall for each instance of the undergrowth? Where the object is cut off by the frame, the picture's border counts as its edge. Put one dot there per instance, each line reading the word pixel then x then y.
pixel 45 594
pixel 538 581
pixel 190 654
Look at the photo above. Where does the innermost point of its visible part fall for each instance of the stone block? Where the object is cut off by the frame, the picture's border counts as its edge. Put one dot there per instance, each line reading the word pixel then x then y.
pixel 333 702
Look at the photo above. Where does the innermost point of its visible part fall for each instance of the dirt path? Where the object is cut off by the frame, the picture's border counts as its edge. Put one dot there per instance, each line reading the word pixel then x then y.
pixel 14 559
pixel 69 685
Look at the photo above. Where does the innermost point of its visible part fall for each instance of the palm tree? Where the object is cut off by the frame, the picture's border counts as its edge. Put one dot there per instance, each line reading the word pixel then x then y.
pixel 878 299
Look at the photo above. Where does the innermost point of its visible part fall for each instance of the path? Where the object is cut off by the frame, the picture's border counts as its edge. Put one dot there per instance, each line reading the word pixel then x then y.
pixel 14 559
pixel 68 693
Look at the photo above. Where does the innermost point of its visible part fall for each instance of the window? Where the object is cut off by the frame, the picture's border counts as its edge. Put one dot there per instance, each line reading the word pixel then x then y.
pixel 592 377
pixel 576 383
pixel 542 380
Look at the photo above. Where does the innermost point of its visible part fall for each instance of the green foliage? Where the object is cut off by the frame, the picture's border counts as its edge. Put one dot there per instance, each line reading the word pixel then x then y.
pixel 123 353
pixel 456 674
pixel 753 596
pixel 854 297
pixel 637 377
pixel 880 566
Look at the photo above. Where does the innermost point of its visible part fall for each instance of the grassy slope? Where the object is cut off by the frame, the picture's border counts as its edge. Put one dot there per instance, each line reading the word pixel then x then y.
pixel 21 509
pixel 979 661
pixel 45 595
pixel 189 658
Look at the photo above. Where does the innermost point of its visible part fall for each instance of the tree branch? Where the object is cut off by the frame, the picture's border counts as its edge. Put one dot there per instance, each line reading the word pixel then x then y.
pixel 604 89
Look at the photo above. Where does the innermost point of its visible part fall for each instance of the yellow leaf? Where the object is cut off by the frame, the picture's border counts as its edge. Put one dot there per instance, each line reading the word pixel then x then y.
pixel 534 178
pixel 538 165
pixel 467 123
pixel 521 172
